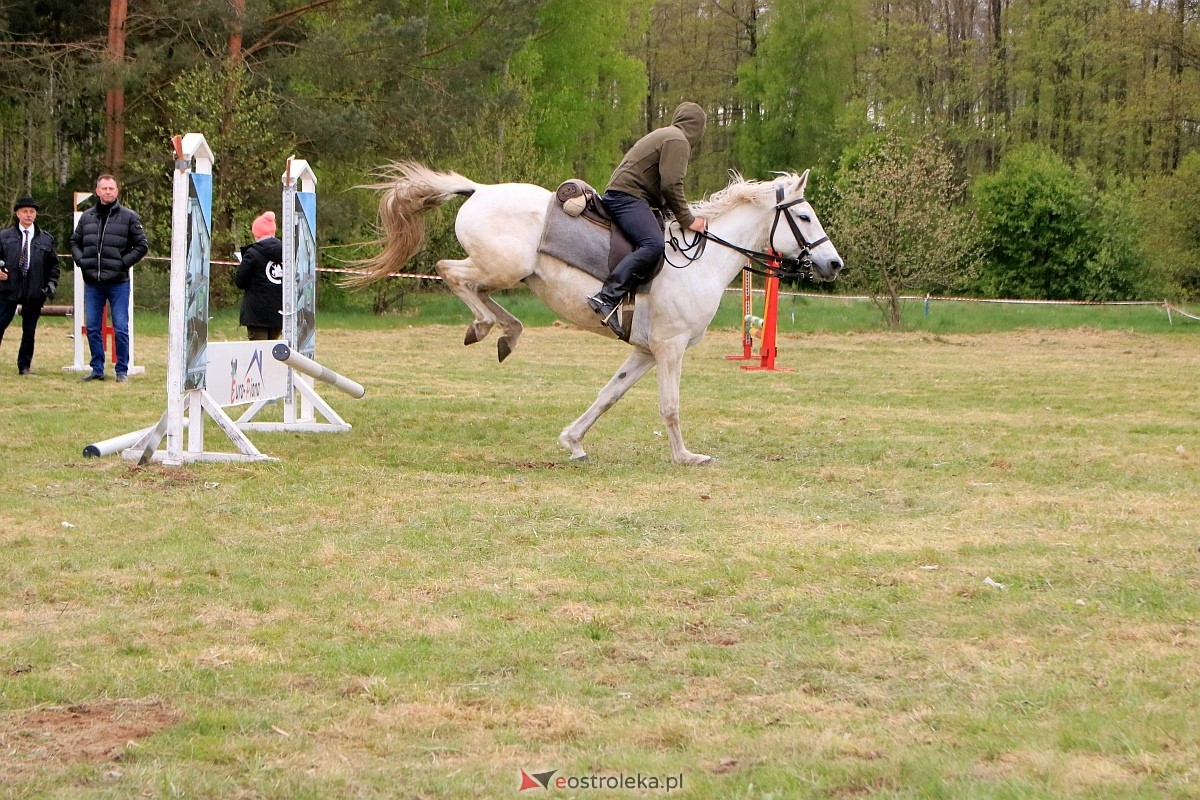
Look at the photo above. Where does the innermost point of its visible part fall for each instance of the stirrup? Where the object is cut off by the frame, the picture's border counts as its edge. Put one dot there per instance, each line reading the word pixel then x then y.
pixel 613 321
pixel 611 318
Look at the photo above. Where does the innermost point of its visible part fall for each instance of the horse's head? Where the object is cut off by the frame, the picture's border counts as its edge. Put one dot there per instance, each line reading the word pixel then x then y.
pixel 797 234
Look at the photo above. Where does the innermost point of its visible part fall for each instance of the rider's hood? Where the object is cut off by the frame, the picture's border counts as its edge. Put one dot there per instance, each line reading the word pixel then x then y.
pixel 690 118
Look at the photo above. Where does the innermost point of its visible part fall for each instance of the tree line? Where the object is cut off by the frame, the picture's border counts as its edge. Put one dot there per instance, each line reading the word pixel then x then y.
pixel 1029 148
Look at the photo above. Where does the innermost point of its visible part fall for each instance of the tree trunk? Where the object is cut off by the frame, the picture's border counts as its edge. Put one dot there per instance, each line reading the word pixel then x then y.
pixel 235 34
pixel 114 118
pixel 223 214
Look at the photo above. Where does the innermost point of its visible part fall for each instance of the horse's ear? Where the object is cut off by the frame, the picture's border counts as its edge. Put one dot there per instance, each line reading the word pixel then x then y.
pixel 796 193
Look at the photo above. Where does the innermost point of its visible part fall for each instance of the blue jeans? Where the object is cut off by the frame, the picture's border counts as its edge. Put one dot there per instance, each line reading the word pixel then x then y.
pixel 117 297
pixel 637 221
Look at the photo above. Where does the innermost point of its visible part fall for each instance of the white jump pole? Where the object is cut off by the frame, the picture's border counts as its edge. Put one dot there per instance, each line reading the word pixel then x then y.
pixel 304 364
pixel 115 445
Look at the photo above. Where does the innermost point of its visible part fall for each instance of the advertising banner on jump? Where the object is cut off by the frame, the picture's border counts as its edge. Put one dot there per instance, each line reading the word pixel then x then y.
pixel 304 244
pixel 244 372
pixel 199 246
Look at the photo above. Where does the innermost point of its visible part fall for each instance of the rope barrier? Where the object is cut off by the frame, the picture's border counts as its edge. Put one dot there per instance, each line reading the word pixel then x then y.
pixel 953 299
pixel 1166 305
pixel 338 271
pixel 1172 307
pixel 331 270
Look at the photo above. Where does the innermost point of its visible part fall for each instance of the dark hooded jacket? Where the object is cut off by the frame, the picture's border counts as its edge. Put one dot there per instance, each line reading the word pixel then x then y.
pixel 654 168
pixel 106 246
pixel 260 275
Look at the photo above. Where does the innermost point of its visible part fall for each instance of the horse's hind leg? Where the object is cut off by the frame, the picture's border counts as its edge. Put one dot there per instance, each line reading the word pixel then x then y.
pixel 459 277
pixel 630 372
pixel 511 326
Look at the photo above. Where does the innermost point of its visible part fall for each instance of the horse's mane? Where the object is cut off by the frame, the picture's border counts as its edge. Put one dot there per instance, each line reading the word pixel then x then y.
pixel 738 192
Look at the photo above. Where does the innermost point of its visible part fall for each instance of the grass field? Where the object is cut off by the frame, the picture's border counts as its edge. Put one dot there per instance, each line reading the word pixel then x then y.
pixel 938 563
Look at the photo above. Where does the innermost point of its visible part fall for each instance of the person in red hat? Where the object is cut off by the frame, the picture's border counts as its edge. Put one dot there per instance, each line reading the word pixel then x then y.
pixel 260 276
pixel 28 276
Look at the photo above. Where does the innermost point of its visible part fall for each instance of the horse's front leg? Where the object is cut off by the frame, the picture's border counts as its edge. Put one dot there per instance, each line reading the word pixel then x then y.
pixel 670 369
pixel 461 278
pixel 630 372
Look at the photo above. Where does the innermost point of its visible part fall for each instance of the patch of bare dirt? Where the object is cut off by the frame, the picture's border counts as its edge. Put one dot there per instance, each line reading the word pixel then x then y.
pixel 85 732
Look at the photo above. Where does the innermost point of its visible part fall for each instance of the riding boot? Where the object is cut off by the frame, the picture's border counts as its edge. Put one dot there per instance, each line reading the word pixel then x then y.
pixel 636 220
pixel 607 301
pixel 610 312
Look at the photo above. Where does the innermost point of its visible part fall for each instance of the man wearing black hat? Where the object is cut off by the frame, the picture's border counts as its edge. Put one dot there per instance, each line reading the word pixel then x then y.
pixel 28 276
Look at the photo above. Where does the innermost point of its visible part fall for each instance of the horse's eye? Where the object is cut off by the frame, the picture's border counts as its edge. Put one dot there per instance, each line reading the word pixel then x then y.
pixel 805 218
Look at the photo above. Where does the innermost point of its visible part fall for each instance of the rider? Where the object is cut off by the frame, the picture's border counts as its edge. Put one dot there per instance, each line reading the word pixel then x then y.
pixel 651 174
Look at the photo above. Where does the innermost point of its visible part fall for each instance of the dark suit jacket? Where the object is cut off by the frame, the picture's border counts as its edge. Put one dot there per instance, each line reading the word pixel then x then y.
pixel 42 281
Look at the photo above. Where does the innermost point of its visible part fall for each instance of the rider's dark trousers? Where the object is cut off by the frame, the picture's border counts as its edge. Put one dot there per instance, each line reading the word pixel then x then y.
pixel 637 221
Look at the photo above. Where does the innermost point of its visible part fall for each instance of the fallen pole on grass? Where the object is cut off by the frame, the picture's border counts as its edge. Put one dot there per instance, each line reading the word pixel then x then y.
pixel 306 366
pixel 117 444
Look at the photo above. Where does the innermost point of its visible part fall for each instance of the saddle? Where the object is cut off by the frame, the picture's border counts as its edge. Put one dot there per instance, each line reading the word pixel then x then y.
pixel 580 232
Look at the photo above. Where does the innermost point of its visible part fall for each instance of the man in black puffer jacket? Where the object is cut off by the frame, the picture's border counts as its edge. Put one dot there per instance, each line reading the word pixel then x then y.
pixel 107 242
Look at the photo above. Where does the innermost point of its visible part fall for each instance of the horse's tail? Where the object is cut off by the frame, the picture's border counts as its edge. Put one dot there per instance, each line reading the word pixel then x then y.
pixel 409 189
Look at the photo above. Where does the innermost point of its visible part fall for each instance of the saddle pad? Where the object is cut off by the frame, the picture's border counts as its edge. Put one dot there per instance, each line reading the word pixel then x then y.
pixel 585 237
pixel 576 240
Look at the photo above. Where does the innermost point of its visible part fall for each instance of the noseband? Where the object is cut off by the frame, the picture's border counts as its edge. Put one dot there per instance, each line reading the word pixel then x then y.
pixel 770 263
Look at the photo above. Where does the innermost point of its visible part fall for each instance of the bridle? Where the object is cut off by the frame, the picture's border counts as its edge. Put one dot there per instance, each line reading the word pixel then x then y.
pixel 770 263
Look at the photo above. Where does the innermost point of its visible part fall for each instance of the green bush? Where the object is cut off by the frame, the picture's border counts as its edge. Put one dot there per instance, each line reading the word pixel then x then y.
pixel 1050 233
pixel 1038 225
pixel 1168 213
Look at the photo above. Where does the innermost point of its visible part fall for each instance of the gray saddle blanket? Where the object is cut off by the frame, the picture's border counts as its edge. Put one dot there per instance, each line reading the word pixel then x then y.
pixel 579 231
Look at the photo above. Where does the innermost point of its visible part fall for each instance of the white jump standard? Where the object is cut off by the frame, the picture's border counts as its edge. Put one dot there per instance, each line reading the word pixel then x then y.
pixel 299 400
pixel 188 399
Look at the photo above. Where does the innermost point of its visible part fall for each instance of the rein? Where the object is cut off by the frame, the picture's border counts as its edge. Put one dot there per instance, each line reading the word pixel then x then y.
pixel 770 264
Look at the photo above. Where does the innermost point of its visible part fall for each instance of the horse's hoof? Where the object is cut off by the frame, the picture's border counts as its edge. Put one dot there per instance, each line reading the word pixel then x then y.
pixel 577 453
pixel 471 337
pixel 579 459
pixel 502 348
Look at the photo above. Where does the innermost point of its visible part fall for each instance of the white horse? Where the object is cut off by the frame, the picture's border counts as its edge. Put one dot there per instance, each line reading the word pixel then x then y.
pixel 500 226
